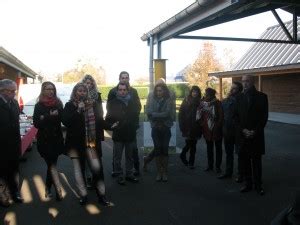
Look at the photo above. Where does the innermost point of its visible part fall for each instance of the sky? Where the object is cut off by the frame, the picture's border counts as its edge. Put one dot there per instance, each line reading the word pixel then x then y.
pixel 51 36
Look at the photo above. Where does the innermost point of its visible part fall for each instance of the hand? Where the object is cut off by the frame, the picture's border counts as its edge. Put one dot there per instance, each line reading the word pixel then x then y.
pixel 248 133
pixel 114 125
pixel 54 112
pixel 81 107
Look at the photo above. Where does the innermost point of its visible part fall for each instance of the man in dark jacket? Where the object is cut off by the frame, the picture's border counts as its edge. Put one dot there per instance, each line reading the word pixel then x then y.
pixel 252 116
pixel 10 139
pixel 124 78
pixel 229 129
pixel 123 108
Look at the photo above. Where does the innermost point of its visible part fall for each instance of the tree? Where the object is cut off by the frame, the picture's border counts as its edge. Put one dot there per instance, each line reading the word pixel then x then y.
pixel 197 73
pixel 83 68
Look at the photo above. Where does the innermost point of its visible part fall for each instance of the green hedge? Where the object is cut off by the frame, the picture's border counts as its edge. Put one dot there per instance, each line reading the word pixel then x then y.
pixel 181 90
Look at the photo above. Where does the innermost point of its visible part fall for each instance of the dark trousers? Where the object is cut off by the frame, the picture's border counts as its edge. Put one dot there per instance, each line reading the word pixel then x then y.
pixel 190 145
pixel 135 155
pixel 161 139
pixel 229 150
pixel 9 173
pixel 210 153
pixel 251 168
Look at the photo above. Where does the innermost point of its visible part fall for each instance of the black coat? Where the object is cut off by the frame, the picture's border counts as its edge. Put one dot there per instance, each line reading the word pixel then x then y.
pixel 10 139
pixel 126 115
pixel 252 114
pixel 50 140
pixel 189 127
pixel 75 124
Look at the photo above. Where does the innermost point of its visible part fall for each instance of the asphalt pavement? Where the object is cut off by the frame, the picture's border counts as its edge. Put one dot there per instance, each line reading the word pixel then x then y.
pixel 190 197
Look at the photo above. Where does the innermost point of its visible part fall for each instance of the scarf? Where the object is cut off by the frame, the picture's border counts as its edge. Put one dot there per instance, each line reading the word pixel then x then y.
pixel 125 99
pixel 49 101
pixel 209 109
pixel 90 127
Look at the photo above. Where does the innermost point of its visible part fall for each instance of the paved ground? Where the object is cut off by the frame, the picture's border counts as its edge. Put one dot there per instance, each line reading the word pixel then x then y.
pixel 191 197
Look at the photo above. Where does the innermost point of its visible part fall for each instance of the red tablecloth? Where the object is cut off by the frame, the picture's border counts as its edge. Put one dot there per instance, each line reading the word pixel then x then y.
pixel 27 139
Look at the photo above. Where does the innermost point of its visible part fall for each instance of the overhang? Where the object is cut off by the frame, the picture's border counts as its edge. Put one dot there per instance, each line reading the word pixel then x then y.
pixel 10 60
pixel 207 13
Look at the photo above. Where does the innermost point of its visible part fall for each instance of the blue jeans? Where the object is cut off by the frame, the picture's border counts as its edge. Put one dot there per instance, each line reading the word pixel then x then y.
pixel 161 138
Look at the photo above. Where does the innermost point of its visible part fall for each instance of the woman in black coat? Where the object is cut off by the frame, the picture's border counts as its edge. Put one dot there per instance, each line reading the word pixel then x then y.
pixel 47 119
pixel 83 118
pixel 188 125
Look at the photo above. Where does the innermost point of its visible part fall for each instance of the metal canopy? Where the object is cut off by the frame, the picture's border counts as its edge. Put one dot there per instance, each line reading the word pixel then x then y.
pixel 207 13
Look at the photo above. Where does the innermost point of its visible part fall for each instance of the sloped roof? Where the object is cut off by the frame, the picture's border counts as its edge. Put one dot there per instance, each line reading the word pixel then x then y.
pixel 7 58
pixel 263 58
pixel 267 54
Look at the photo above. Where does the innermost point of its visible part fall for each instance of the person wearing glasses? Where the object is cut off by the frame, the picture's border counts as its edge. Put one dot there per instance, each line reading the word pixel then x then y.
pixel 47 119
pixel 10 143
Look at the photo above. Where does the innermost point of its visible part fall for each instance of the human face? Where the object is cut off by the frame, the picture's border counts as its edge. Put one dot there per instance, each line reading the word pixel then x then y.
pixel 159 92
pixel 89 84
pixel 9 92
pixel 49 90
pixel 234 89
pixel 195 94
pixel 122 90
pixel 81 92
pixel 124 78
pixel 247 82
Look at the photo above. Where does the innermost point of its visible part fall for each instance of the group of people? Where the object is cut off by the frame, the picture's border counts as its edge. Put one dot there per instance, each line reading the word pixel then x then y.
pixel 238 120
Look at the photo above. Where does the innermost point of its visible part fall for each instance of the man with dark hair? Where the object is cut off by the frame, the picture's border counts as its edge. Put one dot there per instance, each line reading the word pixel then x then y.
pixel 252 116
pixel 123 109
pixel 229 130
pixel 10 141
pixel 132 92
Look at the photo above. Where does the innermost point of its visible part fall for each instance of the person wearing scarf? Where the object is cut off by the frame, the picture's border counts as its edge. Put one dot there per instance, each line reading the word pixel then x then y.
pixel 94 97
pixel 189 127
pixel 47 119
pixel 211 116
pixel 85 126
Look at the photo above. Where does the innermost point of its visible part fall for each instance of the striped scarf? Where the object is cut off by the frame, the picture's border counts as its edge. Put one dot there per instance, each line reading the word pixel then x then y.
pixel 90 127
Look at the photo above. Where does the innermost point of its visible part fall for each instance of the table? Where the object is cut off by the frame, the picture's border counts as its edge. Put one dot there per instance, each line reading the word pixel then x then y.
pixel 27 139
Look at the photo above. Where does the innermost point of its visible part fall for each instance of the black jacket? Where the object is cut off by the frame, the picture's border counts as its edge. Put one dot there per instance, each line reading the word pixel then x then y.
pixel 9 131
pixel 49 136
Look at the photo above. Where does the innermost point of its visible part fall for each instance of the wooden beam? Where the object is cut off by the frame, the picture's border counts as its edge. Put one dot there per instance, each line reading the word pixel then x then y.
pixel 221 88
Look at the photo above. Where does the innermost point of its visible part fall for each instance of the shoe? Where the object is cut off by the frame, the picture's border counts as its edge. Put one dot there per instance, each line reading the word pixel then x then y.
pixel 121 180
pixel 83 200
pixel 136 173
pixel 48 193
pixel 17 198
pixel 103 201
pixel 208 169
pixel 191 167
pixel 245 189
pixel 183 159
pixel 218 170
pixel 260 191
pixel 132 179
pixel 239 179
pixel 224 176
pixel 158 177
pixel 59 196
pixel 164 177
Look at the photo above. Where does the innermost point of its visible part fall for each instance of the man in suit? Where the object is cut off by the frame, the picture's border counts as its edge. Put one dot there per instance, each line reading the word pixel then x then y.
pixel 252 116
pixel 124 78
pixel 10 139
